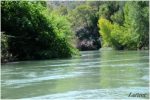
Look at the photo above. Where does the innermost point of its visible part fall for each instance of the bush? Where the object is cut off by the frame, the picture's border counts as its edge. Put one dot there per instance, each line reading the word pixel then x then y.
pixel 37 34
pixel 137 24
pixel 111 34
pixel 105 30
pixel 130 33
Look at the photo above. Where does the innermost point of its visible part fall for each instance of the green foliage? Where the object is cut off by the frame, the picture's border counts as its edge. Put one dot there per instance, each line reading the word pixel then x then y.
pixel 111 33
pixel 104 11
pixel 107 9
pixel 62 10
pixel 136 24
pixel 84 24
pixel 118 17
pixel 105 30
pixel 134 32
pixel 82 16
pixel 37 33
pixel 117 37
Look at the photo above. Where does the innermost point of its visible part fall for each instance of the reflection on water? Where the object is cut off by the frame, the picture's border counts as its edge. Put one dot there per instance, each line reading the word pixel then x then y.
pixel 94 75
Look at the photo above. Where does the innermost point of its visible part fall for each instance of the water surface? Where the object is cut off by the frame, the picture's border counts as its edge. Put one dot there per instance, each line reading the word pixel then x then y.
pixel 99 74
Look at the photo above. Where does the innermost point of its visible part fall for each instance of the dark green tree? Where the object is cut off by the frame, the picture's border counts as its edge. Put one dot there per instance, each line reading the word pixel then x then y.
pixel 36 33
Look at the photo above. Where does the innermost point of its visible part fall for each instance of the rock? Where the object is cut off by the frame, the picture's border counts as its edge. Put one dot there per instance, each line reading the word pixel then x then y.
pixel 84 45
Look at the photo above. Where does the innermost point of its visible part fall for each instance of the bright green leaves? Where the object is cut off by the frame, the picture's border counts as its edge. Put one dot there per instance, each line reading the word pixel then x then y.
pixel 105 30
pixel 111 34
pixel 129 31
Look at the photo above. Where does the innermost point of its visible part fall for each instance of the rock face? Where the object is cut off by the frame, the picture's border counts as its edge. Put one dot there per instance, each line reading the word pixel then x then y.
pixel 85 45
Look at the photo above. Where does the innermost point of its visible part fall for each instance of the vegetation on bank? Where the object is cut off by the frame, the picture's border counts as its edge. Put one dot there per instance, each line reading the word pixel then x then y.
pixel 128 20
pixel 132 32
pixel 35 33
pixel 44 30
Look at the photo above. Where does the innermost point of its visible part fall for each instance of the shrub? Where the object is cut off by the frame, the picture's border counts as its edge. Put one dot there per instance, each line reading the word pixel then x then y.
pixel 111 34
pixel 37 33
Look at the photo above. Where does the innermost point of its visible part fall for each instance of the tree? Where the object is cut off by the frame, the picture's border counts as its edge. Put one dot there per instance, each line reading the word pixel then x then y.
pixel 82 15
pixel 111 33
pixel 37 34
pixel 118 17
pixel 107 9
pixel 105 30
pixel 84 21
pixel 133 33
pixel 62 10
pixel 136 24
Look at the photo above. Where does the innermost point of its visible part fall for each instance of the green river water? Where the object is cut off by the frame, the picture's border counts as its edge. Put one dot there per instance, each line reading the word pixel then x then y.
pixel 99 74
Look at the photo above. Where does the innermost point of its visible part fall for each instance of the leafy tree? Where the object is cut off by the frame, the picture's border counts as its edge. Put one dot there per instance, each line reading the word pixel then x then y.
pixel 118 17
pixel 105 30
pixel 83 15
pixel 133 34
pixel 136 24
pixel 107 9
pixel 62 10
pixel 84 21
pixel 37 33
pixel 117 35
pixel 111 33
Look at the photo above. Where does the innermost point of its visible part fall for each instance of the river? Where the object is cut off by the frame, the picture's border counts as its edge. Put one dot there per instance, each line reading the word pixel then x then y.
pixel 99 74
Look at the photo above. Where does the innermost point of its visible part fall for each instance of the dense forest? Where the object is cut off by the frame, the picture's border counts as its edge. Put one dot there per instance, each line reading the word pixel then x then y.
pixel 33 30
